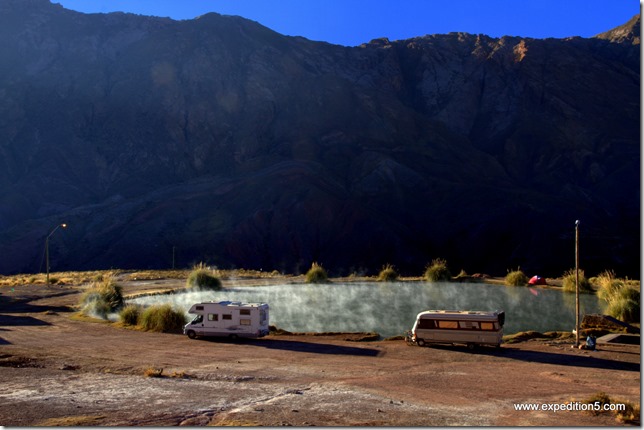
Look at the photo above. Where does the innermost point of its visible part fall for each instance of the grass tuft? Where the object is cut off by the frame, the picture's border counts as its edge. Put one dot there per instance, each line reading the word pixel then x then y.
pixel 102 297
pixel 516 278
pixel 203 278
pixel 625 304
pixel 437 271
pixel 130 314
pixel 316 274
pixel 162 318
pixel 153 372
pixel 388 274
pixel 569 282
pixel 73 421
pixel 628 412
pixel 622 297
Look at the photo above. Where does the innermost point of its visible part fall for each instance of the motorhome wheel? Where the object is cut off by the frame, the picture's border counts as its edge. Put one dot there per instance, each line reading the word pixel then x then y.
pixel 191 334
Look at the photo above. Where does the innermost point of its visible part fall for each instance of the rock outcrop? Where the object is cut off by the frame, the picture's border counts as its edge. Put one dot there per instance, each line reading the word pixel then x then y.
pixel 241 147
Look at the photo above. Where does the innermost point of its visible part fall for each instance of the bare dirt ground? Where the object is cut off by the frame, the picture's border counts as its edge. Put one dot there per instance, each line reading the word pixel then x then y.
pixel 56 370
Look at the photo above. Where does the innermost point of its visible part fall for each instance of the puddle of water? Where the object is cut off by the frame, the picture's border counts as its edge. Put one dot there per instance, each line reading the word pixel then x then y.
pixel 391 308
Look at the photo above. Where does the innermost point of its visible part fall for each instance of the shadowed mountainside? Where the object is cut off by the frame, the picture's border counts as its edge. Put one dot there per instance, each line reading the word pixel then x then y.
pixel 241 147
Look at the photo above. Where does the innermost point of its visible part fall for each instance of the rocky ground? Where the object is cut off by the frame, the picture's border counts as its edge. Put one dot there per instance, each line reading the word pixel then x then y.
pixel 60 370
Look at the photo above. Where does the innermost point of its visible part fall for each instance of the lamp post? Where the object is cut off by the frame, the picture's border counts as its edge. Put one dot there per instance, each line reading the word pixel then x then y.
pixel 47 248
pixel 577 283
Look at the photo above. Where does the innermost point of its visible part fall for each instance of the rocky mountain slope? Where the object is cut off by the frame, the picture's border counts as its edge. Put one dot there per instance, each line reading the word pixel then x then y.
pixel 234 145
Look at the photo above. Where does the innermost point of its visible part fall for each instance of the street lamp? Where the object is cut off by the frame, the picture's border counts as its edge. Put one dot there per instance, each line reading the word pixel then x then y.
pixel 47 248
pixel 577 283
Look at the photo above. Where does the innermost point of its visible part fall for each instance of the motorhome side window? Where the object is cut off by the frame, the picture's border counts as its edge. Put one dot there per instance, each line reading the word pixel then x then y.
pixel 244 312
pixel 227 317
pixel 469 324
pixel 199 308
pixel 213 317
pixel 448 324
pixel 487 326
pixel 426 324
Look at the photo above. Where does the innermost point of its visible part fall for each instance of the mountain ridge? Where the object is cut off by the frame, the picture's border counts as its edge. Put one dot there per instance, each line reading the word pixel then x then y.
pixel 292 151
pixel 628 32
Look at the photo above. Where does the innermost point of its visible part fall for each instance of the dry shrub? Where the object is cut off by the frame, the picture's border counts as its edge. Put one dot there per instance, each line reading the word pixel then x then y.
pixel 162 318
pixel 437 271
pixel 625 305
pixel 516 278
pixel 316 274
pixel 630 413
pixel 570 282
pixel 203 278
pixel 622 298
pixel 607 284
pixel 72 421
pixel 130 314
pixel 153 372
pixel 388 274
pixel 102 297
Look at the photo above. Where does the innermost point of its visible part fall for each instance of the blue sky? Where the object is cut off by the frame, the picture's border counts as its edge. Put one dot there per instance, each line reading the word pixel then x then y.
pixel 351 22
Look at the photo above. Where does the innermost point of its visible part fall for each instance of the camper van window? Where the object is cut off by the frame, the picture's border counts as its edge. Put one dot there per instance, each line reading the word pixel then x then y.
pixel 213 317
pixel 227 317
pixel 244 312
pixel 244 321
pixel 468 325
pixel 198 319
pixel 426 324
pixel 487 326
pixel 199 308
pixel 448 324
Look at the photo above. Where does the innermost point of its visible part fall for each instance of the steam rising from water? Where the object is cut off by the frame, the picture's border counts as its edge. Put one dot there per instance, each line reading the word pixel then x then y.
pixel 391 308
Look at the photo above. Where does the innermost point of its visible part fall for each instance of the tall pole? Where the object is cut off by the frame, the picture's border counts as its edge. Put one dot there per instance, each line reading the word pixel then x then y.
pixel 577 283
pixel 47 255
pixel 47 248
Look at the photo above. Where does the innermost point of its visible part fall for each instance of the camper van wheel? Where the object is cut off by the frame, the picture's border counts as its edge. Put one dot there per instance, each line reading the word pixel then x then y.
pixel 471 346
pixel 192 334
pixel 420 342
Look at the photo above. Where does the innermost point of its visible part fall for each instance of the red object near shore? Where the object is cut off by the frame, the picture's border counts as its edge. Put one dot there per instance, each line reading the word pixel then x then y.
pixel 537 280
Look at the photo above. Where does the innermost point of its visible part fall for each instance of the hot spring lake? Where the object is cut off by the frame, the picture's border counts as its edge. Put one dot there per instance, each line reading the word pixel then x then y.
pixel 390 308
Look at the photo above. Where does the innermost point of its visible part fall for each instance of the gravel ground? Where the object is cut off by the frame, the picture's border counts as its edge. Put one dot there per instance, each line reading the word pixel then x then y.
pixel 56 370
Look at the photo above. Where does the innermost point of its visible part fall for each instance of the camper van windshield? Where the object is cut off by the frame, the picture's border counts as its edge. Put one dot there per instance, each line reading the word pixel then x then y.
pixel 198 319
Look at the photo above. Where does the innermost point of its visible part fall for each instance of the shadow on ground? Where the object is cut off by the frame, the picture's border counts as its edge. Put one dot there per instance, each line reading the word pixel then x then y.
pixel 298 346
pixel 549 357
pixel 23 307
pixel 13 320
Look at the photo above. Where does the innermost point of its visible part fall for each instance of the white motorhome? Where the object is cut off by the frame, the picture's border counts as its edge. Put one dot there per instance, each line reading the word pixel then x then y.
pixel 464 327
pixel 226 318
